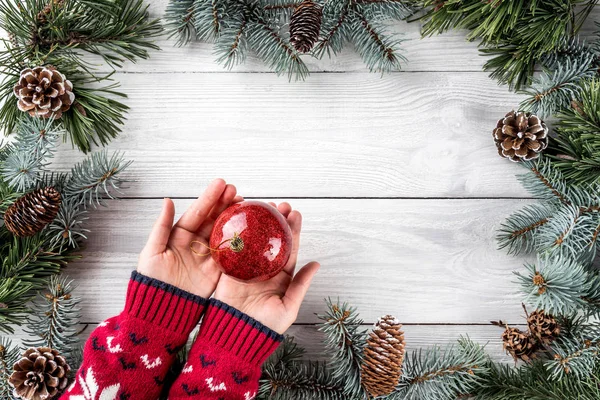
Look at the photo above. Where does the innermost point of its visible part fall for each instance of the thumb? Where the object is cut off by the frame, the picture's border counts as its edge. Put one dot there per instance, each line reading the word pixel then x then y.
pixel 297 289
pixel 161 231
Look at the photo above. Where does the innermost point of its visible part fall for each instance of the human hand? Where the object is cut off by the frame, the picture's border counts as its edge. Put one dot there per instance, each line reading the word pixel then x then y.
pixel 167 255
pixel 274 302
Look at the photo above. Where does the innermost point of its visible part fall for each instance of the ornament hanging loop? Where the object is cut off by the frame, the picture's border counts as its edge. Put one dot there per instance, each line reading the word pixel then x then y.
pixel 205 245
pixel 236 244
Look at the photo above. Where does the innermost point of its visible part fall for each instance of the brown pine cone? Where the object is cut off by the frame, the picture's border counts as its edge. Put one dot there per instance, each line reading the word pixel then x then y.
pixel 305 25
pixel 383 357
pixel 520 345
pixel 542 326
pixel 32 212
pixel 520 136
pixel 40 374
pixel 44 92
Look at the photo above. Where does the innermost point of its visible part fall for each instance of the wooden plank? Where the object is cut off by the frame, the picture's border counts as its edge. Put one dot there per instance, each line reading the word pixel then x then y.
pixel 425 261
pixel 416 336
pixel 447 52
pixel 342 135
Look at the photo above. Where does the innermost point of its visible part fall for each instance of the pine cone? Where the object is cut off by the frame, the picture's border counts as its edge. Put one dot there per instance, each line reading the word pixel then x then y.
pixel 542 326
pixel 305 25
pixel 383 357
pixel 520 345
pixel 520 136
pixel 32 212
pixel 40 374
pixel 44 92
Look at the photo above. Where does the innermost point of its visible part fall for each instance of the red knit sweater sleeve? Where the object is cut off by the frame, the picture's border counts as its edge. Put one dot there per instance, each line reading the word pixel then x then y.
pixel 224 362
pixel 128 356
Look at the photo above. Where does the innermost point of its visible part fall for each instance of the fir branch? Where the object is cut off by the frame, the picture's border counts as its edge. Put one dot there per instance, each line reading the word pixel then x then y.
pixel 567 231
pixel 345 342
pixel 566 222
pixel 286 354
pixel 573 50
pixel 97 176
pixel 116 30
pixel 281 5
pixel 39 136
pixel 21 170
pixel 532 382
pixel 279 12
pixel 379 51
pixel 258 26
pixel 334 28
pixel 55 318
pixel 276 52
pixel 7 196
pixel 35 143
pixel 95 117
pixel 62 34
pixel 68 229
pixel 232 45
pixel 385 9
pixel 99 118
pixel 517 34
pixel 300 381
pixel 577 358
pixel 519 232
pixel 577 141
pixel 442 16
pixel 12 310
pixel 545 181
pixel 208 18
pixel 27 264
pixel 179 17
pixel 556 285
pixel 554 91
pixel 9 355
pixel 434 374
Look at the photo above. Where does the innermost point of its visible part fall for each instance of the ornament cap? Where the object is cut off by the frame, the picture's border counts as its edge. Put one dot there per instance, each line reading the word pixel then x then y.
pixel 237 243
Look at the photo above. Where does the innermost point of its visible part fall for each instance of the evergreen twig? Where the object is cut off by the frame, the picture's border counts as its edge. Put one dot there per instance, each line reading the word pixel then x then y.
pixel 237 27
pixel 61 34
pixel 55 318
pixel 345 342
pixel 9 354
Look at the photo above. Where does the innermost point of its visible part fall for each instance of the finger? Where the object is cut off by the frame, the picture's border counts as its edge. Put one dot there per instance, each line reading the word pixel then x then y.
pixel 285 209
pixel 238 199
pixel 295 222
pixel 159 236
pixel 224 201
pixel 296 292
pixel 273 204
pixel 198 211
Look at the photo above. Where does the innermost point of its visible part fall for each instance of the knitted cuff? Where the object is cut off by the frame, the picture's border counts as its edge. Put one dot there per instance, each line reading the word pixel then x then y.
pixel 162 304
pixel 237 333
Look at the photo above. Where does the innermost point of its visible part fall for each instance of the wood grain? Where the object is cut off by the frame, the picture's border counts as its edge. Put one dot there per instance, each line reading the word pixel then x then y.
pixel 425 261
pixel 342 135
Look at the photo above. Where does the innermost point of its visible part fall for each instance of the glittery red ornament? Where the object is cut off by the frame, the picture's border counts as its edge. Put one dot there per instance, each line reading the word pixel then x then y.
pixel 251 241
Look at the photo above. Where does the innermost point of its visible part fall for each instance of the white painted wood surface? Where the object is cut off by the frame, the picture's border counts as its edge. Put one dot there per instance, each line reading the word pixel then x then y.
pixel 398 179
pixel 425 261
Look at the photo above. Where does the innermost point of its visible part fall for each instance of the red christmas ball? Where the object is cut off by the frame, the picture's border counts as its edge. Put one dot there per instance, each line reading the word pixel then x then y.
pixel 251 241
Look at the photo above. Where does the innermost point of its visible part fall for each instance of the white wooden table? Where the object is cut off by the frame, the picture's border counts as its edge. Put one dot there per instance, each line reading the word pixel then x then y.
pixel 397 177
